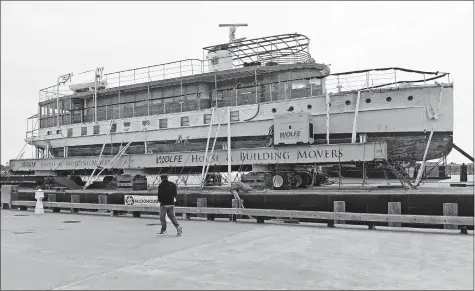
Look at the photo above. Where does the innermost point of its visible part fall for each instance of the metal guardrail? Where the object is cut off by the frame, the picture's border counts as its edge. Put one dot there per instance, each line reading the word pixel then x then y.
pixel 164 71
pixel 296 214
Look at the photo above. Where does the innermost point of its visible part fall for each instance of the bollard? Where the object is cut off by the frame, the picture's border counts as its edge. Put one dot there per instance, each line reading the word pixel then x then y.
pixel 450 209
pixel 394 208
pixel 338 206
pixel 201 203
pixel 75 199
pixel 39 195
pixel 237 204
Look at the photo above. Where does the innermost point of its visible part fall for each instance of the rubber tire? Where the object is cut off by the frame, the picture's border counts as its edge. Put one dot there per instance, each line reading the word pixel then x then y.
pixel 299 180
pixel 306 178
pixel 316 181
pixel 309 177
pixel 282 181
pixel 107 180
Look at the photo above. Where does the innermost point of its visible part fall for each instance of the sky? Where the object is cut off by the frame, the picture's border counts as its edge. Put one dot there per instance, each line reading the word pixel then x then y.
pixel 43 40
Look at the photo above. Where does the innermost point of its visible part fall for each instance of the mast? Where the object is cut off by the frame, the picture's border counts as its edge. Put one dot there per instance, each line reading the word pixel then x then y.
pixel 232 30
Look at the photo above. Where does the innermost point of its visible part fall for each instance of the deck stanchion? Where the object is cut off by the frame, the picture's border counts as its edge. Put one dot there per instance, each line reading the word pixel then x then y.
pixel 394 208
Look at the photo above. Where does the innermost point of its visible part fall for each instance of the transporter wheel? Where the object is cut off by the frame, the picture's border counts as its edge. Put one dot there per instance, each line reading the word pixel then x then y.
pixel 308 178
pixel 280 180
pixel 298 180
pixel 316 179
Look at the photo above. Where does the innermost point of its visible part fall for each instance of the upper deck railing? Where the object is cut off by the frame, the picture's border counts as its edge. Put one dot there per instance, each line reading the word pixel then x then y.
pixel 154 73
pixel 363 80
pixel 134 76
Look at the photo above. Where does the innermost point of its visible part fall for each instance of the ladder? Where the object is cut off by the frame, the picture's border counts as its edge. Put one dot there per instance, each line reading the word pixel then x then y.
pixel 400 175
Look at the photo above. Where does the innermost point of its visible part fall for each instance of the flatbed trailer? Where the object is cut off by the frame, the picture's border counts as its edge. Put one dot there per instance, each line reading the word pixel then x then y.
pixel 285 163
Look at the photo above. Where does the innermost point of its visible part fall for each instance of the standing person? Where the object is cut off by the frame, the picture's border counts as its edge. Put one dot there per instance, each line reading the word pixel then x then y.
pixel 166 197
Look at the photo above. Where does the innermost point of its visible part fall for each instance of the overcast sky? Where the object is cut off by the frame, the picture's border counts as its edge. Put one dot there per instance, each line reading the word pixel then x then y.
pixel 42 40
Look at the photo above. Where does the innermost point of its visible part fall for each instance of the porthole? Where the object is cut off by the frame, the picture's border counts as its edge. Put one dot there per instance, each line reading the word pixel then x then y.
pixel 274 110
pixel 309 106
pixel 347 102
pixel 291 108
pixel 389 99
pixel 410 98
pixel 368 100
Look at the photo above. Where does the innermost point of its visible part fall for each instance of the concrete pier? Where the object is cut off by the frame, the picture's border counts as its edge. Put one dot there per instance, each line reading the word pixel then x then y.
pixel 97 251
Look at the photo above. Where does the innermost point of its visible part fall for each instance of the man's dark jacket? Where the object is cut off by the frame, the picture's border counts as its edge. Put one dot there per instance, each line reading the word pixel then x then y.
pixel 166 193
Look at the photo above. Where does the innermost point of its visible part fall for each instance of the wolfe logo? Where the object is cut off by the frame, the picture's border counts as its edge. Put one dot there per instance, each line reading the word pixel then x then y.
pixel 28 164
pixel 129 200
pixel 290 134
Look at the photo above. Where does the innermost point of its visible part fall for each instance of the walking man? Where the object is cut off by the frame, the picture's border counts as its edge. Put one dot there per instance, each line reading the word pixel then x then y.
pixel 166 196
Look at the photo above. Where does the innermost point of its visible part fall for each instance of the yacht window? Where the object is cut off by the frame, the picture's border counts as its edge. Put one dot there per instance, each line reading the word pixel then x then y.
pixel 145 123
pixel 185 121
pixel 163 123
pixel 207 119
pixel 114 127
pixel 49 132
pixel 84 130
pixel 234 116
pixel 70 132
pixel 58 131
pixel 96 129
pixel 126 124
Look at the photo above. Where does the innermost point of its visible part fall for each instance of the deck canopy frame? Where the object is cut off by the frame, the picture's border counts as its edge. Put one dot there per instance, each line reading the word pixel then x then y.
pixel 281 49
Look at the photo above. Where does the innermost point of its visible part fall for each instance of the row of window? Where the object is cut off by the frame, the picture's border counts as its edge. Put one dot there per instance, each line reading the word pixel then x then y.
pixel 162 123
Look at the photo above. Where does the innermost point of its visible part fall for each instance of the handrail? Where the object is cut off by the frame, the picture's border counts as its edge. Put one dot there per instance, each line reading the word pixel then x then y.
pixel 146 67
pixel 183 68
pixel 378 78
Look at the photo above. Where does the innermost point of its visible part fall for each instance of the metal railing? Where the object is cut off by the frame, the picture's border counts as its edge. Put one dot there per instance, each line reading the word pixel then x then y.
pixel 171 70
pixel 380 78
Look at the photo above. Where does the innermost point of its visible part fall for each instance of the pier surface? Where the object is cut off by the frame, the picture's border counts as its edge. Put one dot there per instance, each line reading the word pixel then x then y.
pixel 93 251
